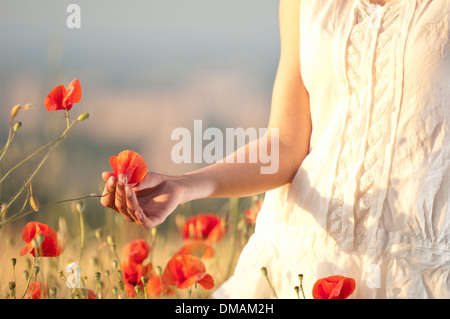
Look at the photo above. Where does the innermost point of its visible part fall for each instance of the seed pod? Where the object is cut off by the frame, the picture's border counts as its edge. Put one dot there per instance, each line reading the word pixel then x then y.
pixel 15 110
pixel 17 126
pixel 33 200
pixel 83 117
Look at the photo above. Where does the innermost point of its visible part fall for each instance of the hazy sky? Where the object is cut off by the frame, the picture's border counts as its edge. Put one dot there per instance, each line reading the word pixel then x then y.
pixel 146 66
pixel 140 40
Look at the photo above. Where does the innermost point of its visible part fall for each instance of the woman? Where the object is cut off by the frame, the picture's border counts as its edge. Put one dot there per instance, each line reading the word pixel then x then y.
pixel 362 103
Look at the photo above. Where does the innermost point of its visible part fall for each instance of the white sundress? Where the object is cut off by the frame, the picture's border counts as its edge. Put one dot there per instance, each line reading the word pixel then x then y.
pixel 370 201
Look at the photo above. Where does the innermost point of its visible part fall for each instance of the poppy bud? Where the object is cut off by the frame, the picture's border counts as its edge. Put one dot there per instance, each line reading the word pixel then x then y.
pixel 264 271
pixel 36 270
pixel 137 288
pixel 115 291
pixel 13 261
pixel 83 117
pixel 17 126
pixel 297 291
pixel 143 280
pixel 12 285
pixel 99 233
pixel 53 292
pixel 121 285
pixel 159 271
pixel 115 264
pixel 26 274
pixel 110 239
pixel 79 206
pixel 97 276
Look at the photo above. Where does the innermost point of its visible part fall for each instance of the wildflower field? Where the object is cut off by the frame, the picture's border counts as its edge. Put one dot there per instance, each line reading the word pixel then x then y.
pixel 49 254
pixel 50 250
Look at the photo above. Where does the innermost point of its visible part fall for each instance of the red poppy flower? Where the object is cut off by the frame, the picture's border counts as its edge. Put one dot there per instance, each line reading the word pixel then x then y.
pixel 61 99
pixel 36 290
pixel 130 164
pixel 132 274
pixel 136 251
pixel 198 249
pixel 333 287
pixel 50 246
pixel 207 227
pixel 183 271
pixel 156 287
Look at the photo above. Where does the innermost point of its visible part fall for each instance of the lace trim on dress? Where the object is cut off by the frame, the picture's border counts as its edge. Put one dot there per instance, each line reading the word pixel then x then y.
pixel 366 173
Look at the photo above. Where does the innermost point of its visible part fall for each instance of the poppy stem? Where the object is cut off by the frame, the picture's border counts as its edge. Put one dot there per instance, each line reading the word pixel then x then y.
pixel 300 278
pixel 26 159
pixel 8 143
pixel 29 278
pixel 265 274
pixel 67 118
pixel 15 216
pixel 81 234
pixel 40 164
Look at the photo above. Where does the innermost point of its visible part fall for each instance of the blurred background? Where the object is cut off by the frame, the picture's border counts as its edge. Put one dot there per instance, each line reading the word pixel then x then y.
pixel 146 67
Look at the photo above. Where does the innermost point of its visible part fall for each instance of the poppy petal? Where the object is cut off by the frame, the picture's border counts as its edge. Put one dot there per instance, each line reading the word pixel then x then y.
pixel 74 91
pixel 207 282
pixel 54 99
pixel 130 164
pixel 113 163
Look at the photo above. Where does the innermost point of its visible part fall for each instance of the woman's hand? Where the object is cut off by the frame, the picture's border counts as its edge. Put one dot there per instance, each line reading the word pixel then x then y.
pixel 148 203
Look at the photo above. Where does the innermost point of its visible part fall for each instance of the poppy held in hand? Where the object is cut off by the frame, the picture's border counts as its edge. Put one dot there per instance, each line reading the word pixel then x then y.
pixel 136 251
pixel 50 246
pixel 61 99
pixel 333 287
pixel 130 164
pixel 183 271
pixel 203 227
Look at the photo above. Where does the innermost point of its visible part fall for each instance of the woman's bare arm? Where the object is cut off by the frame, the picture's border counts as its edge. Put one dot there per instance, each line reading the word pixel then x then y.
pixel 290 114
pixel 158 195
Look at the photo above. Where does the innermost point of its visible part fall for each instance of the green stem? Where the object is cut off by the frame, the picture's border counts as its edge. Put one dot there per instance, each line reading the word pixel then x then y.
pixel 26 159
pixel 273 289
pixel 40 165
pixel 10 138
pixel 81 234
pixel 15 216
pixel 67 118
pixel 29 278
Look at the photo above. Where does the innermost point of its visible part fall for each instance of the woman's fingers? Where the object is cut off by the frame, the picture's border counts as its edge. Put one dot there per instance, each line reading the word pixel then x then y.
pixel 107 175
pixel 132 203
pixel 121 198
pixel 108 196
pixel 148 222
